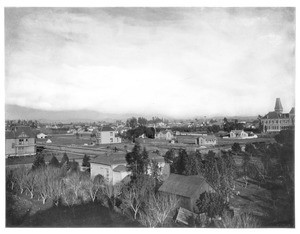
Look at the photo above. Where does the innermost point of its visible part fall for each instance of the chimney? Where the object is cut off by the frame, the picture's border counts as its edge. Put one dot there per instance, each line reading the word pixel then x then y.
pixel 278 106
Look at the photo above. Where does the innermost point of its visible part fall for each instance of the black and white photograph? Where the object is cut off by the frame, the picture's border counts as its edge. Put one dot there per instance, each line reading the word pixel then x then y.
pixel 149 117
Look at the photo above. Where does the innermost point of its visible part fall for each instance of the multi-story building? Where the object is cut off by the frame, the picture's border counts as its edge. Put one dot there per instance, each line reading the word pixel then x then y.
pixel 275 121
pixel 20 141
pixel 106 135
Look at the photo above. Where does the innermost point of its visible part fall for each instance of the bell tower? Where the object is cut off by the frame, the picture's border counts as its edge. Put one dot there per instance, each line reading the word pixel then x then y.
pixel 278 106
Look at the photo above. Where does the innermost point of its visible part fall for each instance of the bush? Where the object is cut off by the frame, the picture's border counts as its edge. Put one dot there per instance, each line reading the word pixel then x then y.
pixel 244 220
pixel 212 204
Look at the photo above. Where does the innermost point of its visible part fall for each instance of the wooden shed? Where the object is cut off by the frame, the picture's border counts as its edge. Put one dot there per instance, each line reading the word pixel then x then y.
pixel 186 188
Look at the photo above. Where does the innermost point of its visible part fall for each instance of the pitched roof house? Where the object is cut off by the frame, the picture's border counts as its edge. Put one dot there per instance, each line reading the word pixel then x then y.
pixel 238 134
pixel 20 141
pixel 186 188
pixel 165 134
pixel 206 140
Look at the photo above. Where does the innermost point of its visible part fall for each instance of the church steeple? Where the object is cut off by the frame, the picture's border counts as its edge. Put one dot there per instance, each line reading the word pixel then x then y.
pixel 278 106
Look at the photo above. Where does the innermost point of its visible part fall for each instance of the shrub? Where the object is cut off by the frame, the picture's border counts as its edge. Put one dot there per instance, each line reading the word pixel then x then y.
pixel 212 204
pixel 245 220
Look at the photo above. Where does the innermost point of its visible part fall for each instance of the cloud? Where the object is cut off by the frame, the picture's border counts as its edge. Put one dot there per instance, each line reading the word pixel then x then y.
pixel 169 61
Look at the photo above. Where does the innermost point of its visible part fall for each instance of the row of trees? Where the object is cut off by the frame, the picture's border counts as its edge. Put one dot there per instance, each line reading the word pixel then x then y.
pixel 57 184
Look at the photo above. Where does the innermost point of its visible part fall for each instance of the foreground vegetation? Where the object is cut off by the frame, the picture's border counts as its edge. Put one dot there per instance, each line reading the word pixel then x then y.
pixel 66 191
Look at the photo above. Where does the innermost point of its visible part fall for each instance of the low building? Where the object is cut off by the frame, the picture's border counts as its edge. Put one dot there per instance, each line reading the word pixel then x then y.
pixel 41 136
pixel 106 135
pixel 113 166
pixel 209 140
pixel 165 134
pixel 238 134
pixel 20 141
pixel 186 188
pixel 275 121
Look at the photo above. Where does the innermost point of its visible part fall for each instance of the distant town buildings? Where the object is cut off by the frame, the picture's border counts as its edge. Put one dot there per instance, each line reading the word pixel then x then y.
pixel 275 121
pixel 20 141
pixel 106 135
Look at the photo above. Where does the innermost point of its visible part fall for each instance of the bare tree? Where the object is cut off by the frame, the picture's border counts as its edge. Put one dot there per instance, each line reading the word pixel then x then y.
pixel 56 190
pixel 31 183
pixel 92 188
pixel 157 210
pixel 20 175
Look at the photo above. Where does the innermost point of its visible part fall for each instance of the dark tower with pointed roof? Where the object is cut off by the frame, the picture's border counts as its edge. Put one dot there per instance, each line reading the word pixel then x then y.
pixel 278 106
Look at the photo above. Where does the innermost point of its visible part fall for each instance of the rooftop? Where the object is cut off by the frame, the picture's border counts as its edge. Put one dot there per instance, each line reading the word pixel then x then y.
pixel 116 158
pixel 186 186
pixel 276 115
pixel 20 132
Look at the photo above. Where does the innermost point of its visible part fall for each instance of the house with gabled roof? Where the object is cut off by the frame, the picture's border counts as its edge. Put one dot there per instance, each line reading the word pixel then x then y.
pixel 238 134
pixel 186 188
pixel 209 140
pixel 165 135
pixel 20 141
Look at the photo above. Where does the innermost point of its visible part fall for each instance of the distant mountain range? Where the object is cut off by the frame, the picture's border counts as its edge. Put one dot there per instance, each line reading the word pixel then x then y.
pixel 15 112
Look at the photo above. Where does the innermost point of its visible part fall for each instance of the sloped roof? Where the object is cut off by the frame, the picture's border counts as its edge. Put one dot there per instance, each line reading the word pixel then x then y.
pixel 120 168
pixel 110 158
pixel 19 132
pixel 275 115
pixel 116 158
pixel 106 129
pixel 186 186
pixel 208 137
pixel 292 110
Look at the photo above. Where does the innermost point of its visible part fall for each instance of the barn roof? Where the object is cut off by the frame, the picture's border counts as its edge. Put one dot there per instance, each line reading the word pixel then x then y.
pixel 186 186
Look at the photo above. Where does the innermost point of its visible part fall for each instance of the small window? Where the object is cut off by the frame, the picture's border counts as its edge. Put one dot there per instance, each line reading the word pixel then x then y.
pixel 111 133
pixel 111 140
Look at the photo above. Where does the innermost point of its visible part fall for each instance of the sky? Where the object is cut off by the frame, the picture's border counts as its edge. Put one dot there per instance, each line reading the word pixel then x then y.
pixel 178 62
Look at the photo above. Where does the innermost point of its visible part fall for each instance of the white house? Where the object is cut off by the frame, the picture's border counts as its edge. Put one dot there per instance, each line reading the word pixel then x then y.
pixel 206 140
pixel 166 135
pixel 113 166
pixel 107 135
pixel 48 141
pixel 41 136
pixel 238 134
